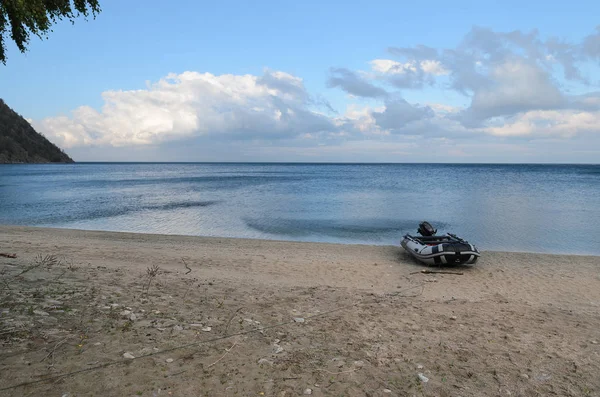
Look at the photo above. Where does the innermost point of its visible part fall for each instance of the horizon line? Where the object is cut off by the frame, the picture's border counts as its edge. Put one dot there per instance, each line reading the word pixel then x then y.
pixel 311 163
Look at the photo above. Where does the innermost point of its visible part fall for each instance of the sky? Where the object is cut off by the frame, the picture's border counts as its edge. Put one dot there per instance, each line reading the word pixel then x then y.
pixel 312 81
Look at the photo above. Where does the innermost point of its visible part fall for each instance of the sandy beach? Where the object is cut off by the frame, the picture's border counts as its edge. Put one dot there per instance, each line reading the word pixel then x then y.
pixel 88 313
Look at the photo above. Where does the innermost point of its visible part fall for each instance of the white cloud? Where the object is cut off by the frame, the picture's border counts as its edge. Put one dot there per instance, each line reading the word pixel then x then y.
pixel 392 67
pixel 354 84
pixel 433 67
pixel 360 119
pixel 399 113
pixel 548 123
pixel 388 66
pixel 192 104
pixel 515 86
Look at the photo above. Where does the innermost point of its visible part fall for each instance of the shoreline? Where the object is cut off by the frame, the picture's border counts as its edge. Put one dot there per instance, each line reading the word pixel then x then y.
pixel 226 316
pixel 185 236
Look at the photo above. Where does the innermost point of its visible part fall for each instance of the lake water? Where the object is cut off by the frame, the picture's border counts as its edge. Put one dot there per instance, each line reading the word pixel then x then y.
pixel 534 208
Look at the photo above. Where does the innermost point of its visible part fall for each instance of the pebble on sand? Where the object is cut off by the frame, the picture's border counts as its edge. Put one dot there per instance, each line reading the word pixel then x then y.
pixel 265 361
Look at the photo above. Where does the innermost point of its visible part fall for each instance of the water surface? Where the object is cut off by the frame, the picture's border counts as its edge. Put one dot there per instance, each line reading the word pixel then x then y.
pixel 534 208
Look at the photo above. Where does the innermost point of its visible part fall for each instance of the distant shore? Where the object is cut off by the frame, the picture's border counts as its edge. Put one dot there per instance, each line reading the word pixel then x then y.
pixel 339 319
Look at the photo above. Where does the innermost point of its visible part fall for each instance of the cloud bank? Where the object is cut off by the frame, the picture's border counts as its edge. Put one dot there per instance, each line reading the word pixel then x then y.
pixel 519 88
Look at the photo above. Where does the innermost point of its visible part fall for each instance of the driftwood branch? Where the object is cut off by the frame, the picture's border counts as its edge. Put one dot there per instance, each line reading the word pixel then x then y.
pixel 426 271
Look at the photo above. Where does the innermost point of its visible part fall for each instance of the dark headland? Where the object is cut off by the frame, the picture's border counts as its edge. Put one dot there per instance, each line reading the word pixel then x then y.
pixel 20 143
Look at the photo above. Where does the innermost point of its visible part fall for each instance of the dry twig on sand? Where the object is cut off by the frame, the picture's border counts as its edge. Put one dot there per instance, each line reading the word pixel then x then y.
pixel 48 261
pixel 51 354
pixel 230 319
pixel 189 269
pixel 13 256
pixel 337 373
pixel 151 273
pixel 426 271
pixel 226 351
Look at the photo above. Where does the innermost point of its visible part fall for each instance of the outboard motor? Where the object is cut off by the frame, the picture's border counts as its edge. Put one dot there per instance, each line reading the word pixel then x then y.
pixel 425 229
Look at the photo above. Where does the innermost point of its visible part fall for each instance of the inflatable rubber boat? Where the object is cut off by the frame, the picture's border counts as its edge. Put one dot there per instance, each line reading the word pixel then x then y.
pixel 447 249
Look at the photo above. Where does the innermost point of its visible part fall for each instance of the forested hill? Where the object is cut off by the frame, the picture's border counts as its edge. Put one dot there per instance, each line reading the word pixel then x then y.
pixel 20 143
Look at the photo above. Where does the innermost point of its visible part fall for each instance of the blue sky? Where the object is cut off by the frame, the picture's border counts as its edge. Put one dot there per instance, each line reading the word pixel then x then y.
pixel 308 81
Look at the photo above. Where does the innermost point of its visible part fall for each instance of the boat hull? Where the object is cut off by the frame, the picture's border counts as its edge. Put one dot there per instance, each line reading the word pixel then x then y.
pixel 440 250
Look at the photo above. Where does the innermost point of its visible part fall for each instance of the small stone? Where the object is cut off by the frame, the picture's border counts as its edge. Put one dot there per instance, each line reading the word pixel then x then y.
pixel 105 308
pixel 40 313
pixel 359 364
pixel 113 305
pixel 387 391
pixel 276 341
pixel 169 360
pixel 206 329
pixel 419 366
pixel 178 328
pixel 524 376
pixel 423 378
pixel 278 349
pixel 594 342
pixel 196 325
pixel 126 313
pixel 265 361
pixel 299 320
pixel 128 356
pixel 453 318
pixel 543 377
pixel 97 344
pixel 307 392
pixel 132 317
